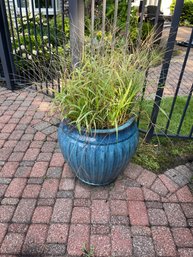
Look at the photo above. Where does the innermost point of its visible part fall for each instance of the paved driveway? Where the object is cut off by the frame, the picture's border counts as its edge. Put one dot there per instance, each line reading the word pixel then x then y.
pixel 174 69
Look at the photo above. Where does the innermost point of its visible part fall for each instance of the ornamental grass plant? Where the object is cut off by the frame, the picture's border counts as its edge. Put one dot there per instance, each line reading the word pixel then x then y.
pixel 105 89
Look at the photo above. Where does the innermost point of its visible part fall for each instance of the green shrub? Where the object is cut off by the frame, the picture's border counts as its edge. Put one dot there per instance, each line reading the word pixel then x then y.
pixel 39 50
pixel 187 12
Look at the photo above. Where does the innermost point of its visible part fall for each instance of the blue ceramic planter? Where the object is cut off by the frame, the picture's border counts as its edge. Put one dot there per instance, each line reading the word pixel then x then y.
pixel 99 158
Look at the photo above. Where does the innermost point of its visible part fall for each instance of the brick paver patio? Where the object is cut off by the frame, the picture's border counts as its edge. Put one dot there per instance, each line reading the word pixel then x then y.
pixel 45 211
pixel 174 69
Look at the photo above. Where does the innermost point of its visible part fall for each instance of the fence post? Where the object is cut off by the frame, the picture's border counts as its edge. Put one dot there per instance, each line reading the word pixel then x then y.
pixel 165 67
pixel 5 48
pixel 76 13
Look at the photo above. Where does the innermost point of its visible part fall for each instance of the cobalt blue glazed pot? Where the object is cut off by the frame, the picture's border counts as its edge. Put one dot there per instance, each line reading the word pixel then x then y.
pixel 98 159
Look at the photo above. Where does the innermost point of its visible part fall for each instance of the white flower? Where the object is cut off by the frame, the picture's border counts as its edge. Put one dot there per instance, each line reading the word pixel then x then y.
pixel 14 51
pixel 34 52
pixel 22 47
pixel 45 37
pixel 29 57
pixel 45 48
pixel 24 55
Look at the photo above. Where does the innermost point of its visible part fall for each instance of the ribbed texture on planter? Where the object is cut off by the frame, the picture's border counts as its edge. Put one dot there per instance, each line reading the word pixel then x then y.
pixel 99 158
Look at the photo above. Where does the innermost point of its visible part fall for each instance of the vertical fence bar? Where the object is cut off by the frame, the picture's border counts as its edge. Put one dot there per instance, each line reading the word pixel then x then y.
pixel 114 24
pixel 157 12
pixel 13 36
pixel 28 26
pixel 42 35
pixel 165 67
pixel 92 25
pixel 6 49
pixel 27 73
pixel 141 22
pixel 191 132
pixel 34 26
pixel 18 38
pixel 103 23
pixel 76 13
pixel 127 25
pixel 56 38
pixel 48 24
pixel 41 27
pixel 22 25
pixel 55 28
pixel 11 25
pixel 179 82
pixel 36 52
pixel 16 24
pixel 63 28
pixel 185 110
pixel 48 33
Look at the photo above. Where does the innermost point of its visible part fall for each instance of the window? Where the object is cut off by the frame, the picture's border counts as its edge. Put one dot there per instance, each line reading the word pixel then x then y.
pixel 36 3
pixel 43 3
pixel 21 6
pixel 50 3
pixel 21 3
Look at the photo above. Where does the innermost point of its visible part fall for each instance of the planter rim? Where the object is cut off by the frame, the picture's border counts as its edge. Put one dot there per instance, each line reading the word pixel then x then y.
pixel 108 131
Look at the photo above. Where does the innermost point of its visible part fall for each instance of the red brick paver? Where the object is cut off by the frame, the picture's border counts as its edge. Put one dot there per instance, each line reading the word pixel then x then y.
pixel 175 215
pixel 3 229
pixel 163 241
pixel 16 187
pixel 42 214
pixel 184 195
pixel 12 243
pixel 135 194
pixel 39 169
pixel 58 233
pixel 81 215
pixel 35 239
pixel 62 211
pixel 183 237
pixel 138 213
pixel 46 211
pixel 121 241
pixel 102 245
pixel 100 211
pixel 78 237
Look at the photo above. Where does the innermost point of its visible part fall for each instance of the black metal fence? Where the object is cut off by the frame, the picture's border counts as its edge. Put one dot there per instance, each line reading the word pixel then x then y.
pixel 34 34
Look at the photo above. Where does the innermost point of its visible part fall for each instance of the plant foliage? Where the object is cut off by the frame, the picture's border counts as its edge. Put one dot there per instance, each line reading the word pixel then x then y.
pixel 104 91
pixel 37 42
pixel 186 17
pixel 121 19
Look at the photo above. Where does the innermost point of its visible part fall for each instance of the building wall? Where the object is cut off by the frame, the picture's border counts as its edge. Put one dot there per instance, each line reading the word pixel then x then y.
pixel 165 6
pixel 60 4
